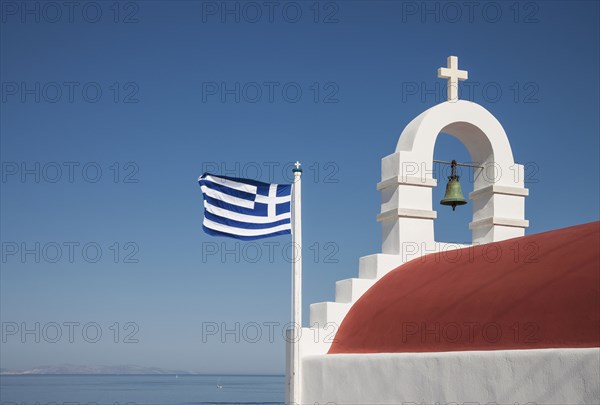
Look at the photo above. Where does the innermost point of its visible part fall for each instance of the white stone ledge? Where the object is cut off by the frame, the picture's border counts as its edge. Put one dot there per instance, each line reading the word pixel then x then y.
pixel 407 213
pixel 517 223
pixel 315 341
pixel 322 313
pixel 406 180
pixel 351 289
pixel 377 265
pixel 495 189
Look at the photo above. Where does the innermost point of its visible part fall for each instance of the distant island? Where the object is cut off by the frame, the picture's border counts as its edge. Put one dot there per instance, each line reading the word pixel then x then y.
pixel 78 369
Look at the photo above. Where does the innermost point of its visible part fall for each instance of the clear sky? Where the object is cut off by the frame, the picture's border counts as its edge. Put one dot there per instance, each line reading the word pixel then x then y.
pixel 110 113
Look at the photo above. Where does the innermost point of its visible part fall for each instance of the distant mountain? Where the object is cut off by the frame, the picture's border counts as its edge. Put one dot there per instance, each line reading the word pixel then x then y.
pixel 78 369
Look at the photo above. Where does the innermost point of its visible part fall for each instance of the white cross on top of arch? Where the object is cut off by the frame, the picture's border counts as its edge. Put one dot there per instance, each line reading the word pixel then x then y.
pixel 453 75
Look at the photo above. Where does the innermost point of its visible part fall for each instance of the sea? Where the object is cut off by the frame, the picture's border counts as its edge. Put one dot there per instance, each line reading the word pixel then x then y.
pixel 141 389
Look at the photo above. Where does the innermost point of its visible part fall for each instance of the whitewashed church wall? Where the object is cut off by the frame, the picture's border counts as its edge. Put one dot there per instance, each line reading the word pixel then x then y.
pixel 546 376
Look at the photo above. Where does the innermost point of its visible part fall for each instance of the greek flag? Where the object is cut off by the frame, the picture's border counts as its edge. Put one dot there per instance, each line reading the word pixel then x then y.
pixel 245 209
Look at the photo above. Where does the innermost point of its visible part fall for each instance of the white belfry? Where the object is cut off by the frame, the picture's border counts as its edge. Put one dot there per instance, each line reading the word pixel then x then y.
pixel 453 74
pixel 407 220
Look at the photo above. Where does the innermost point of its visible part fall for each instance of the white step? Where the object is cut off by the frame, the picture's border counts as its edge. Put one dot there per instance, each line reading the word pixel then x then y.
pixel 351 289
pixel 377 265
pixel 324 313
pixel 317 341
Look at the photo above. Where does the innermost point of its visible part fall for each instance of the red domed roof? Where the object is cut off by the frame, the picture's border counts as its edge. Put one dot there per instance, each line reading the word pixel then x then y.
pixel 533 292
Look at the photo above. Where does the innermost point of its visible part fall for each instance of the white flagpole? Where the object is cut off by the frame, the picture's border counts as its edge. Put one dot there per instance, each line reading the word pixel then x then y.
pixel 297 282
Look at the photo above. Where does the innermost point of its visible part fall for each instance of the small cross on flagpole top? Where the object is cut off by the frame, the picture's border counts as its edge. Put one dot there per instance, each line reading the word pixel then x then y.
pixel 453 74
pixel 297 169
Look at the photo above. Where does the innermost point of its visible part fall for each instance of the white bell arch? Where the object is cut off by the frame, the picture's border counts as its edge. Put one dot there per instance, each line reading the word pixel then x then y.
pixel 406 180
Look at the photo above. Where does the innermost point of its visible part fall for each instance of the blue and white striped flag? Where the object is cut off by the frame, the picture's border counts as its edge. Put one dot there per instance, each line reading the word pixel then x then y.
pixel 245 209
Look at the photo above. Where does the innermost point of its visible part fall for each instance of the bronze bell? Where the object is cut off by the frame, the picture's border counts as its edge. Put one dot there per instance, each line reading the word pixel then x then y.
pixel 454 195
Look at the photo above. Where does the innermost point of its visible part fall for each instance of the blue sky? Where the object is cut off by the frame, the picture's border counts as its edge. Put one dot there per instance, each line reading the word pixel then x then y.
pixel 109 114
